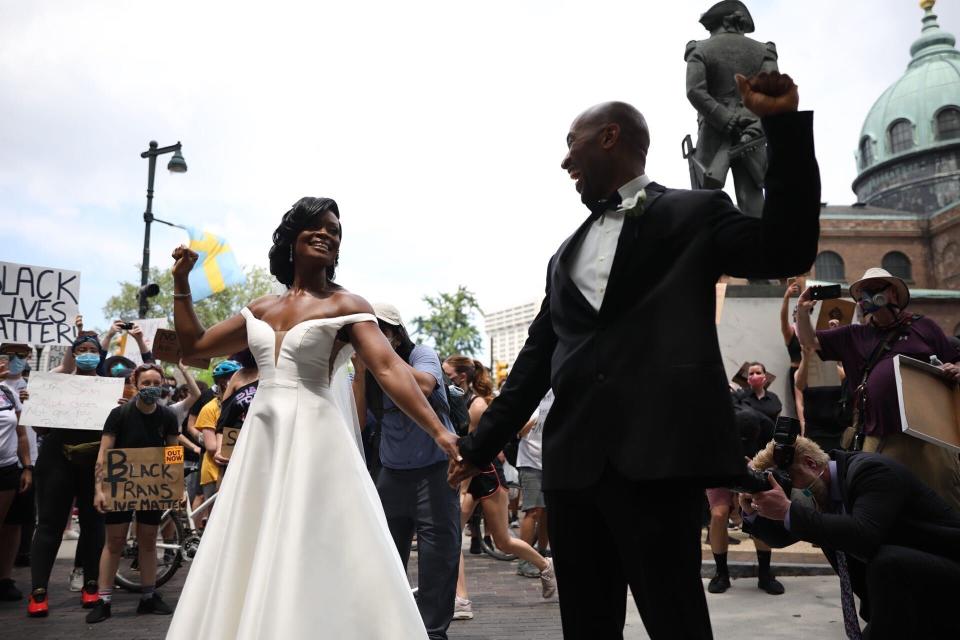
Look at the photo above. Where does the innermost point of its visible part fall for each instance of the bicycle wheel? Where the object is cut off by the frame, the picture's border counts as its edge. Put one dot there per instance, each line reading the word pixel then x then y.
pixel 169 552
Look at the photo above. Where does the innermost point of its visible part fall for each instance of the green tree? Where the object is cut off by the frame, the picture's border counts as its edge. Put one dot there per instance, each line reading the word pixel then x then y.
pixel 212 310
pixel 449 325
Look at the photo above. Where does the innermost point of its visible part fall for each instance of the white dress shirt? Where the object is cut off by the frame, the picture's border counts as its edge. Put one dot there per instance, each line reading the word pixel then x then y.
pixel 591 263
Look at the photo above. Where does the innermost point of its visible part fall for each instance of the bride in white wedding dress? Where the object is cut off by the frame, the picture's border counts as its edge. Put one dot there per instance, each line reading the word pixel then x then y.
pixel 297 545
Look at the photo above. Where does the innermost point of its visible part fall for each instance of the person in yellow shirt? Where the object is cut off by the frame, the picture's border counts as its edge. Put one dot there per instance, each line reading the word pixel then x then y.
pixel 207 425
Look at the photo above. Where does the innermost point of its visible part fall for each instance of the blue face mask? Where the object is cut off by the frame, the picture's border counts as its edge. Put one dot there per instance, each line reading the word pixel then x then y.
pixel 17 365
pixel 808 492
pixel 87 361
pixel 150 395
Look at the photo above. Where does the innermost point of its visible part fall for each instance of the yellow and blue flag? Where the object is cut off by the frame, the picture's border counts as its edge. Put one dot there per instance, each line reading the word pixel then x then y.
pixel 217 266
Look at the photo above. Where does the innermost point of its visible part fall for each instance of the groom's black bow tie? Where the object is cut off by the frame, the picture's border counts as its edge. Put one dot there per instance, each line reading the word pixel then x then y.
pixel 597 207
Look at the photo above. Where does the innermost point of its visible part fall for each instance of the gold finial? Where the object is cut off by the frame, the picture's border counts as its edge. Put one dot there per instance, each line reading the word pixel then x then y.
pixel 927 5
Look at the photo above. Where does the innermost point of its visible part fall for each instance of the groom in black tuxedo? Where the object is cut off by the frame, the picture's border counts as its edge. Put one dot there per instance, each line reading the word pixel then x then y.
pixel 642 420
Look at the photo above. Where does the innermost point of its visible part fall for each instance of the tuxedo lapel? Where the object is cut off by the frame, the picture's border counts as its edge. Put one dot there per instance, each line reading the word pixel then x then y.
pixel 628 250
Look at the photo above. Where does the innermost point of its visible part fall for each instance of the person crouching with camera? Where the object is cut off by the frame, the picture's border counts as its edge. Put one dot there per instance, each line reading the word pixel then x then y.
pixel 892 541
pixel 142 423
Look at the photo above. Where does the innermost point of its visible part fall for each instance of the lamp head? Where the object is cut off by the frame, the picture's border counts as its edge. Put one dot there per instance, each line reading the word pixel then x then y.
pixel 177 164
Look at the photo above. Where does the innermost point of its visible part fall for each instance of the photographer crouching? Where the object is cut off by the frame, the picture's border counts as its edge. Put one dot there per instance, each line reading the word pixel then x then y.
pixel 892 541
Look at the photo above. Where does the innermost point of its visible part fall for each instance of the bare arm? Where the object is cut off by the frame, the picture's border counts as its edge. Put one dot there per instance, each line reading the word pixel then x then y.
pixel 23 452
pixel 805 333
pixel 476 411
pixel 193 391
pixel 210 440
pixel 222 338
pixel 785 327
pixel 395 379
pixel 107 441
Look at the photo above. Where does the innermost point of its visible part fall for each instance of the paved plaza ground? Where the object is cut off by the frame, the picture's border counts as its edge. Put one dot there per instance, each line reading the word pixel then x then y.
pixel 507 606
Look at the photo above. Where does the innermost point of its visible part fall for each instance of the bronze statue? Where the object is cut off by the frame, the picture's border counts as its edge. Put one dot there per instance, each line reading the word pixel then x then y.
pixel 729 136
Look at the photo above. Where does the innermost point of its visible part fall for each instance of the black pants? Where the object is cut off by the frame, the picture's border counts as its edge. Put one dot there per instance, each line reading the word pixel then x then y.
pixel 912 594
pixel 421 501
pixel 58 482
pixel 618 533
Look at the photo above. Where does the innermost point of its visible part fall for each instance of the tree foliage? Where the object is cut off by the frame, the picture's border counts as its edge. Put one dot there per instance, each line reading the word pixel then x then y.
pixel 449 325
pixel 220 306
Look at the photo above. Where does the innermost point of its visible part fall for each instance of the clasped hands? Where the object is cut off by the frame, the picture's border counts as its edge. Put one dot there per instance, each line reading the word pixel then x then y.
pixel 773 504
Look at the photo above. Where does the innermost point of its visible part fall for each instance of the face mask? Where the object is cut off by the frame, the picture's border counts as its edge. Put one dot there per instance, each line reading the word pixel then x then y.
pixel 808 492
pixel 87 361
pixel 17 365
pixel 756 379
pixel 150 395
pixel 800 497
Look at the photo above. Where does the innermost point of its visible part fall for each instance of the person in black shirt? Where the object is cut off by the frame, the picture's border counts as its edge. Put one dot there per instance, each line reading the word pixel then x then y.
pixel 137 424
pixel 237 397
pixel 757 396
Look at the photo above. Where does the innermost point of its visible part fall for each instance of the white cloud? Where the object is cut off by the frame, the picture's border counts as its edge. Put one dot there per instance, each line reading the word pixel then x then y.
pixel 439 127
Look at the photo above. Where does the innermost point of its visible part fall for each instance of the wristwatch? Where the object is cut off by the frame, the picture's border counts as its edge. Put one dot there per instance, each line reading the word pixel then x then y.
pixel 28 467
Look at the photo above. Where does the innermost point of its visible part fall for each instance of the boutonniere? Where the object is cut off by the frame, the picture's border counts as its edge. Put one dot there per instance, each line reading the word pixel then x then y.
pixel 633 207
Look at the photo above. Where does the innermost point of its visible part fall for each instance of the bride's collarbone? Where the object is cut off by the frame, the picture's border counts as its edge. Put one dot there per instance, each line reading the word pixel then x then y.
pixel 283 316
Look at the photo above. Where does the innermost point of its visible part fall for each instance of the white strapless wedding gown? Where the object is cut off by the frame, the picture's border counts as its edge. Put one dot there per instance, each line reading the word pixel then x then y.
pixel 297 545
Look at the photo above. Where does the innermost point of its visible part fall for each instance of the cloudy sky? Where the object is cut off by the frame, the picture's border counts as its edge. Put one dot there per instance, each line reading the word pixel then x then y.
pixel 438 126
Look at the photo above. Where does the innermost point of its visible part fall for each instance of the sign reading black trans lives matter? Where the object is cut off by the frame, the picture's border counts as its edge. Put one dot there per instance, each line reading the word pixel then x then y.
pixel 38 305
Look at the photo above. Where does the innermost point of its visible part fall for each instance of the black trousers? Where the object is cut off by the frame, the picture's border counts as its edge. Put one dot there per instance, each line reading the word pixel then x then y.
pixel 912 594
pixel 58 482
pixel 420 501
pixel 619 533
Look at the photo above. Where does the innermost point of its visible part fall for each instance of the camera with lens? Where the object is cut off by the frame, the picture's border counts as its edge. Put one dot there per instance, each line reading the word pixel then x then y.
pixel 784 437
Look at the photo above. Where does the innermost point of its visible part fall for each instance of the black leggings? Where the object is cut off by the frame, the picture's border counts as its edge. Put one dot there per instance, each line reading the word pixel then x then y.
pixel 58 482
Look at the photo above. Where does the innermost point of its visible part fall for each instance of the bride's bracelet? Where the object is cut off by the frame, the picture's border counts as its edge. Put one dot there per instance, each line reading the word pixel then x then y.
pixel 182 295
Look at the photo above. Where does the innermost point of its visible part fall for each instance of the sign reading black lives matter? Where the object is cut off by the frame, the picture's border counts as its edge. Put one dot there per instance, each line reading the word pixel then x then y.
pixel 148 478
pixel 38 305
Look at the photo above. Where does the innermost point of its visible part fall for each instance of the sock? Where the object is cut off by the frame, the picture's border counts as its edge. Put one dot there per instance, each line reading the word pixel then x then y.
pixel 106 595
pixel 721 560
pixel 763 560
pixel 147 592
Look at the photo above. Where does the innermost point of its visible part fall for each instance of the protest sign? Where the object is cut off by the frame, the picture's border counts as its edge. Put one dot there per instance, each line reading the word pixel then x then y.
pixel 836 309
pixel 929 402
pixel 64 401
pixel 148 478
pixel 38 305
pixel 166 348
pixel 721 295
pixel 149 326
pixel 230 435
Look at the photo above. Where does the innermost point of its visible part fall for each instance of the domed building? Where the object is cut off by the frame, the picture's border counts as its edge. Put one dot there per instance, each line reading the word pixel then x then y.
pixel 907 215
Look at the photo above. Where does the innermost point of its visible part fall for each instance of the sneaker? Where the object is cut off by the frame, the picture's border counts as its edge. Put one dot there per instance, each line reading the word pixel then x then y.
pixel 476 548
pixel 546 553
pixel 527 570
pixel 76 579
pixel 718 584
pixel 515 524
pixel 99 612
pixel 71 534
pixel 548 581
pixel 37 606
pixel 462 609
pixel 771 585
pixel 154 604
pixel 8 592
pixel 89 595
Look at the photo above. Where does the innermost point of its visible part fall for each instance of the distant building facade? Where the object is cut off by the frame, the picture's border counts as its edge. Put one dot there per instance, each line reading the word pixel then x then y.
pixel 507 330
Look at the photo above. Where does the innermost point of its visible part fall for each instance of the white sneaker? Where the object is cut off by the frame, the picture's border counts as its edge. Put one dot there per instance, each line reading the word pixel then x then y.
pixel 548 581
pixel 71 534
pixel 76 579
pixel 462 609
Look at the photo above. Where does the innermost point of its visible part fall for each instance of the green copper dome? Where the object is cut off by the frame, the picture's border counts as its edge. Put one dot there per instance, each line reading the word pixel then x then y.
pixel 921 110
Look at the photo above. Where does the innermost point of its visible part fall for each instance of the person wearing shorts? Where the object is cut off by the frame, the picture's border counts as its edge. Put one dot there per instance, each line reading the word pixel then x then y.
pixel 140 423
pixel 16 476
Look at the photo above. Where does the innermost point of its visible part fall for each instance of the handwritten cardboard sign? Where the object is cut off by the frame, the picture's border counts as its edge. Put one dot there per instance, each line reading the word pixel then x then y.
pixel 166 348
pixel 64 401
pixel 230 435
pixel 38 305
pixel 148 478
pixel 837 309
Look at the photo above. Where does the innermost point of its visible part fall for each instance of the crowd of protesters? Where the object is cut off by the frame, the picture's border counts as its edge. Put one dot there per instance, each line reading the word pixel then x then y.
pixel 48 474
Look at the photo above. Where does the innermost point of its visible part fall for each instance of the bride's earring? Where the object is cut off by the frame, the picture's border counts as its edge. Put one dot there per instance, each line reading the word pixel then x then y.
pixel 291 253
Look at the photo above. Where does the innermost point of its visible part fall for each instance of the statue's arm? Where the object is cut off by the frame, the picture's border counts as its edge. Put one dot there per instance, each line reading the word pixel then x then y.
pixel 718 116
pixel 770 58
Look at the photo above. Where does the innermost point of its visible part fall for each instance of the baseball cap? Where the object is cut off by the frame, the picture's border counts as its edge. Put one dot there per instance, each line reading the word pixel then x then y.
pixel 388 313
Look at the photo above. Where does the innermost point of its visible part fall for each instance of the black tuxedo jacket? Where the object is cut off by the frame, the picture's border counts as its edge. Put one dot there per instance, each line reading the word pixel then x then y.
pixel 640 384
pixel 884 504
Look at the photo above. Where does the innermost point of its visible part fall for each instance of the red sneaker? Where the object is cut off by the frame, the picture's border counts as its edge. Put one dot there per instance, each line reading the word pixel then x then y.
pixel 37 606
pixel 89 595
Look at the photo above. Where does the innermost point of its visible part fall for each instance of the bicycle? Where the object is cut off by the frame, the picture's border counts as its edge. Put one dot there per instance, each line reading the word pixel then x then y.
pixel 178 539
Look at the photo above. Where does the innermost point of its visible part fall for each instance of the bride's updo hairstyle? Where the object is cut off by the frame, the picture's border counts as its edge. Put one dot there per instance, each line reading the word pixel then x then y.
pixel 300 216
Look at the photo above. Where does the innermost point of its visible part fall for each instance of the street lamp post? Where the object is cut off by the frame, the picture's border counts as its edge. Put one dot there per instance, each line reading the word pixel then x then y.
pixel 176 165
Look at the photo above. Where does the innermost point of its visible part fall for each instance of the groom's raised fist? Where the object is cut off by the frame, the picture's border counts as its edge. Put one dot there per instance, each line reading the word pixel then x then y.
pixel 768 93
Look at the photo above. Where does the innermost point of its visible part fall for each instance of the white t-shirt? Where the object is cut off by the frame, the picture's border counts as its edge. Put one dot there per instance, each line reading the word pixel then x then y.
pixel 18 385
pixel 530 453
pixel 8 426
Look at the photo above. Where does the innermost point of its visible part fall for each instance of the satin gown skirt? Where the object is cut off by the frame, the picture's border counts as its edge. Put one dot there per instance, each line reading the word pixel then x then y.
pixel 297 545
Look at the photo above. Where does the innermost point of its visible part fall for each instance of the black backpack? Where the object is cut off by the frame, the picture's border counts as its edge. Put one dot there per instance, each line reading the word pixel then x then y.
pixel 7 391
